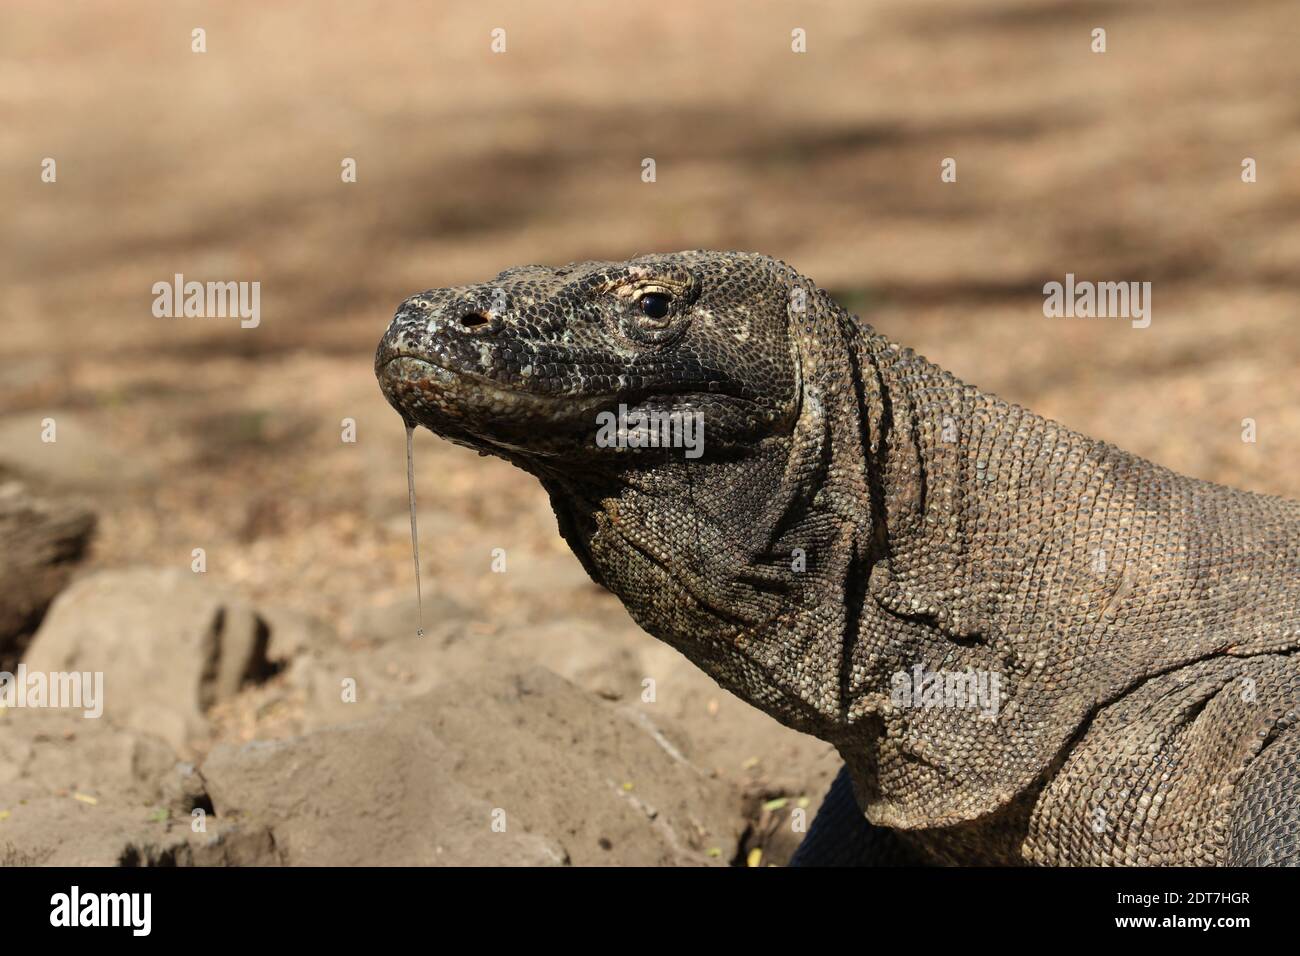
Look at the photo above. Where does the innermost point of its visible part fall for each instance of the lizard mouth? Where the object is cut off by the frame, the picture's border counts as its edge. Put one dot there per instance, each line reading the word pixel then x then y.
pixel 432 378
pixel 413 383
pixel 399 373
pixel 472 409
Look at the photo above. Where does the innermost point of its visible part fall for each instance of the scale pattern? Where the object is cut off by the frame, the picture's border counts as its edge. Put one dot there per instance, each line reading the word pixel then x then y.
pixel 860 521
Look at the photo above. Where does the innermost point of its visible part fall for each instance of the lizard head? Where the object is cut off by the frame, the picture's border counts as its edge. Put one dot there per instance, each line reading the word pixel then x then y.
pixel 524 365
pixel 678 414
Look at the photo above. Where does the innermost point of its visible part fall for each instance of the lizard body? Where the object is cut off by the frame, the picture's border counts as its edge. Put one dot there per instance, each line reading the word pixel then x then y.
pixel 862 524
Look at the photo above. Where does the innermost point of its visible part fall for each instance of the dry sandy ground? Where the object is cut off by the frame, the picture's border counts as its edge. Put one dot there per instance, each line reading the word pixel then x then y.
pixel 188 433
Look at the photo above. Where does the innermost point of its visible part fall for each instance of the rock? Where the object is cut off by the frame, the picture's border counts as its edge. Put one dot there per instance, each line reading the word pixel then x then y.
pixel 81 456
pixel 182 790
pixel 170 646
pixel 41 542
pixel 375 793
pixel 78 792
pixel 399 620
pixel 61 831
pixel 226 845
pixel 573 779
pixel 45 751
pixel 294 633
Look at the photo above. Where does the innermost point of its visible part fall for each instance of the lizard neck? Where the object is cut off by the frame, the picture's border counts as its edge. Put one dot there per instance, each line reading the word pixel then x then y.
pixel 948 460
pixel 1008 547
pixel 734 561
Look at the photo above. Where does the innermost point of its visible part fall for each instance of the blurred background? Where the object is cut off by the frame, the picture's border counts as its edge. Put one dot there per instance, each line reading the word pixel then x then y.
pixel 527 693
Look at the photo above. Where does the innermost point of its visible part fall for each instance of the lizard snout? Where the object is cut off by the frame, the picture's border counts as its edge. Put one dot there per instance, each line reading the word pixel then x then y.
pixel 435 314
pixel 429 324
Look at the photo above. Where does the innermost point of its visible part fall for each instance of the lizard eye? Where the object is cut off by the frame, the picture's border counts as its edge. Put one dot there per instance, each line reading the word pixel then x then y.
pixel 655 305
pixel 654 315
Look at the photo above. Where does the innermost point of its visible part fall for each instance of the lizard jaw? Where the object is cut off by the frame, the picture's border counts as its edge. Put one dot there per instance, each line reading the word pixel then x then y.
pixel 473 410
pixel 464 405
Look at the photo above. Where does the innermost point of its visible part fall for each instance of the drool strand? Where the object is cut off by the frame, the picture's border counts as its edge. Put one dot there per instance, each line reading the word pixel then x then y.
pixel 415 535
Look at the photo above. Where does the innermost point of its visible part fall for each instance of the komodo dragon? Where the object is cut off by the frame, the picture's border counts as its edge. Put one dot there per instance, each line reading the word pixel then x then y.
pixel 872 552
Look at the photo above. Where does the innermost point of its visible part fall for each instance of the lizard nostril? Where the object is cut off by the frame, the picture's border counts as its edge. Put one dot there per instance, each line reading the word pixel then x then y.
pixel 473 319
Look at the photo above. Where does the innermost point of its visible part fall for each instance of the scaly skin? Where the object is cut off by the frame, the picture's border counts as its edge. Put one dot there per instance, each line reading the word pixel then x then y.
pixel 857 512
